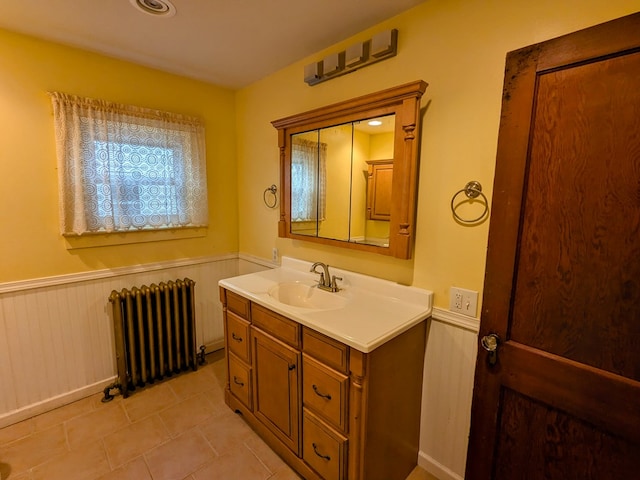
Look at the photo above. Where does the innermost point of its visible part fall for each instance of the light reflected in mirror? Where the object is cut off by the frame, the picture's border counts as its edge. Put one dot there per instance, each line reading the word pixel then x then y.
pixel 341 181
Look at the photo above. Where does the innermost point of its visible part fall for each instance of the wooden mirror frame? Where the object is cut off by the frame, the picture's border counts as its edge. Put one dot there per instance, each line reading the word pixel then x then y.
pixel 404 102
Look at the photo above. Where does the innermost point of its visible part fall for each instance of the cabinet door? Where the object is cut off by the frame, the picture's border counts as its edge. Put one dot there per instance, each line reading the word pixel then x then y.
pixel 277 387
pixel 379 185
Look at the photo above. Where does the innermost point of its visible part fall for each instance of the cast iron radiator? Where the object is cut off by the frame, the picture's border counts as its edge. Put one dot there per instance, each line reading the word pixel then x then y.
pixel 154 331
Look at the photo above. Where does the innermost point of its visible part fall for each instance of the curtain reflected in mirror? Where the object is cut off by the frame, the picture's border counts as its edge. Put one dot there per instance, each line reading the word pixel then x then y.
pixel 333 185
pixel 308 183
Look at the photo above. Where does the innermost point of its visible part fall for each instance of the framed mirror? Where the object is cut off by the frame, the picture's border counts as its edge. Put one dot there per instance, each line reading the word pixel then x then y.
pixel 349 172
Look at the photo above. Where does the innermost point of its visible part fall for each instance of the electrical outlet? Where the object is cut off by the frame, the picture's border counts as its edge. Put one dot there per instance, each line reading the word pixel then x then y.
pixel 463 301
pixel 274 254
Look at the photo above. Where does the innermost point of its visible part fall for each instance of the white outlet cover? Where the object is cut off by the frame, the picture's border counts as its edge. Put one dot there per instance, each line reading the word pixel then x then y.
pixel 463 301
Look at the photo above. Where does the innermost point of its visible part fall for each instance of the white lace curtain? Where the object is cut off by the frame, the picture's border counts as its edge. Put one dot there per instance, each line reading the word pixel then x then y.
pixel 308 180
pixel 125 168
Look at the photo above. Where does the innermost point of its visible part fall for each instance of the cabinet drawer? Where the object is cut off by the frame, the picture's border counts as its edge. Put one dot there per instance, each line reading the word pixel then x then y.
pixel 238 337
pixel 240 380
pixel 280 327
pixel 325 391
pixel 238 305
pixel 327 350
pixel 324 449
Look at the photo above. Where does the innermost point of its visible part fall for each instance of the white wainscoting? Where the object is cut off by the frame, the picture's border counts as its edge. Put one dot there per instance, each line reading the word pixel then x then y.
pixel 56 333
pixel 447 390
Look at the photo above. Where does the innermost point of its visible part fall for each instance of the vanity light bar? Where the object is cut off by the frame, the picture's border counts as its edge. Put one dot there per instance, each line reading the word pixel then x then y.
pixel 380 47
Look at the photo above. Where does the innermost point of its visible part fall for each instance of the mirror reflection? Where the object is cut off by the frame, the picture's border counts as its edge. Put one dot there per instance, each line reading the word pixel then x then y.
pixel 341 178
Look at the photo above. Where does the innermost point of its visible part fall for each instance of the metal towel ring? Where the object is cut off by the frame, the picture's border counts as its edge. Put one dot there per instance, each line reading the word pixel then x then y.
pixel 472 190
pixel 273 189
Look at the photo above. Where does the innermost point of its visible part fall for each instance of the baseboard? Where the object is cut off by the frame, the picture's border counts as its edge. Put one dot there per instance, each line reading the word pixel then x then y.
pixel 214 346
pixel 32 410
pixel 436 469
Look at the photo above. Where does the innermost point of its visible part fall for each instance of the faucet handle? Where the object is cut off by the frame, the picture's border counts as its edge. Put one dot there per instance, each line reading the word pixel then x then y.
pixel 313 270
pixel 334 285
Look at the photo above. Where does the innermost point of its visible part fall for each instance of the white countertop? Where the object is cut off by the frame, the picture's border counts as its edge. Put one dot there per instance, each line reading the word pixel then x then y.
pixel 374 311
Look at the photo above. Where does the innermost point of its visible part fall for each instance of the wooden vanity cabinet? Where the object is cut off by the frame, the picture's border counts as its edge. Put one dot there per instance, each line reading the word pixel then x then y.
pixel 330 411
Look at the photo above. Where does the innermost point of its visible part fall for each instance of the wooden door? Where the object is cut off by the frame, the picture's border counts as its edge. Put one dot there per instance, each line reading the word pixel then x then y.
pixel 277 387
pixel 562 286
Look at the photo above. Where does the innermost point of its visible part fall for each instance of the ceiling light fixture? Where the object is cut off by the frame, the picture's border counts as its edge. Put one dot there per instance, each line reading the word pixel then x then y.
pixel 375 123
pixel 159 8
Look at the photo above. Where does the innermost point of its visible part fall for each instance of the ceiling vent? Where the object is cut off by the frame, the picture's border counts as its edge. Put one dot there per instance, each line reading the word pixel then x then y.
pixel 157 8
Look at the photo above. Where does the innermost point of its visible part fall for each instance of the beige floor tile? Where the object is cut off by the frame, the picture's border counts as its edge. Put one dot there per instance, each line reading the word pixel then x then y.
pixel 187 414
pixel 191 383
pixel 151 400
pixel 179 457
pixel 64 413
pixel 420 474
pixel 7 474
pixel 16 431
pixel 239 464
pixel 95 424
pixel 35 449
pixel 260 449
pixel 134 470
pixel 219 368
pixel 86 463
pixel 226 432
pixel 284 474
pixel 132 441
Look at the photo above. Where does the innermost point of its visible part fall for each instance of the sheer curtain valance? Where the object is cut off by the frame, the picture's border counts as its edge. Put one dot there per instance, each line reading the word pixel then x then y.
pixel 124 168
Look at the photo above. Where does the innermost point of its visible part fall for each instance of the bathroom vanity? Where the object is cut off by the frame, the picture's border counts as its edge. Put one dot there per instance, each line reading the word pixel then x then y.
pixel 332 381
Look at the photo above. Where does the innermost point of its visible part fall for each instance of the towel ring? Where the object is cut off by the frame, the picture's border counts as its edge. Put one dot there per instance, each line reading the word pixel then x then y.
pixel 273 190
pixel 472 190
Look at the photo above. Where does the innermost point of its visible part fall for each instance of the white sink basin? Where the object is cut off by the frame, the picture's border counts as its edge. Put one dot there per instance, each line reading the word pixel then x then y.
pixel 302 295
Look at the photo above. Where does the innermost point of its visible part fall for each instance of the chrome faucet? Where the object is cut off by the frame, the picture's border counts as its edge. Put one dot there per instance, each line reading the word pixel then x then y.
pixel 326 282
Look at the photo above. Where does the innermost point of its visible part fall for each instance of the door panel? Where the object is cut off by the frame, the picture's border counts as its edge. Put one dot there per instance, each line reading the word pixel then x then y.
pixel 553 437
pixel 579 242
pixel 562 285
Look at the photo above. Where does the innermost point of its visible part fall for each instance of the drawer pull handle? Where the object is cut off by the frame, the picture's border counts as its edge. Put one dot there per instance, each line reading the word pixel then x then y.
pixel 315 450
pixel 292 367
pixel 237 382
pixel 315 389
pixel 236 338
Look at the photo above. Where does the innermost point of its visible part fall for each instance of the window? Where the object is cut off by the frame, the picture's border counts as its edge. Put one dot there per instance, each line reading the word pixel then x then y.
pixel 123 168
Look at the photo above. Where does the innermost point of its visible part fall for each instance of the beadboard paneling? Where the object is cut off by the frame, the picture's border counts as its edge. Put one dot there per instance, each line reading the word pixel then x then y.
pixel 450 361
pixel 56 334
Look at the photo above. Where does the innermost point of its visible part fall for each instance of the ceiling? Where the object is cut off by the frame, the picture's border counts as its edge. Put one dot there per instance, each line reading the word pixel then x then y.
pixel 230 43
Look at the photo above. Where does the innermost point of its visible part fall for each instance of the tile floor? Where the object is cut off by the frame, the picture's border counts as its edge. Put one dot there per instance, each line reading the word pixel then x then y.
pixel 178 429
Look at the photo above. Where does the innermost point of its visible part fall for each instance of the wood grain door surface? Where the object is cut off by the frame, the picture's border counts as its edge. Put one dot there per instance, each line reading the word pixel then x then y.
pixel 562 285
pixel 277 387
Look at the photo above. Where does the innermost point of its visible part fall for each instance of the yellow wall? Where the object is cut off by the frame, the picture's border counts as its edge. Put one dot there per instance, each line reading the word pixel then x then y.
pixel 459 48
pixel 30 243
